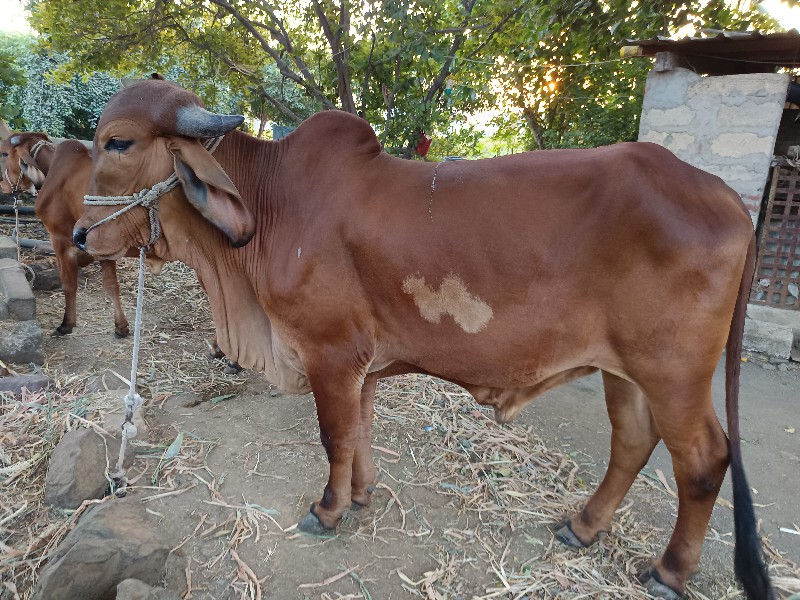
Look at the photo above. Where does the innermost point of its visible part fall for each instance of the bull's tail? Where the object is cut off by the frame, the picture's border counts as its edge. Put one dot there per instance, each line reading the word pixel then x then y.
pixel 748 560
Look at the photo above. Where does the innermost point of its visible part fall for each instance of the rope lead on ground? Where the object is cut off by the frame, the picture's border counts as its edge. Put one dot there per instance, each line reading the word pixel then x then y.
pixel 133 401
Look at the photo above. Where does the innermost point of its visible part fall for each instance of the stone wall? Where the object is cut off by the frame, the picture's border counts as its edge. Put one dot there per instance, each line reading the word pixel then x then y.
pixel 724 125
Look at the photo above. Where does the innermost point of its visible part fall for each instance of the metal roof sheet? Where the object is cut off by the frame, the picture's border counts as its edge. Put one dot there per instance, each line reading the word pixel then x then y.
pixel 721 52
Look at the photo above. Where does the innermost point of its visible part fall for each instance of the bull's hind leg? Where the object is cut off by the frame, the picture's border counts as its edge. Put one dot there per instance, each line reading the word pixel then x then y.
pixel 68 257
pixel 111 287
pixel 364 473
pixel 633 437
pixel 699 448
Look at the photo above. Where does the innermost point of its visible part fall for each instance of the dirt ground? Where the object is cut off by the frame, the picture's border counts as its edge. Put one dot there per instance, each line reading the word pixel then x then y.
pixel 465 508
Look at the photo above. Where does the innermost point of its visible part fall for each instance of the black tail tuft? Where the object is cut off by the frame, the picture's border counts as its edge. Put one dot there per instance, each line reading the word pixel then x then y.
pixel 748 561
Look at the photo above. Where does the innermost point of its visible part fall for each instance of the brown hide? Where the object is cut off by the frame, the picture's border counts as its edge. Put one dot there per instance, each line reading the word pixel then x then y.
pixel 506 275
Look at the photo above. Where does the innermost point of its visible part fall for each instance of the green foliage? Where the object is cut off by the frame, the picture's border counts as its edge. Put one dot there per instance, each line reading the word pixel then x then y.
pixel 66 108
pixel 12 76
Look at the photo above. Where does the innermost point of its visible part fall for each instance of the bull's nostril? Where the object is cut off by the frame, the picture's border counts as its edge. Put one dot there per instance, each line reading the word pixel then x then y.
pixel 79 237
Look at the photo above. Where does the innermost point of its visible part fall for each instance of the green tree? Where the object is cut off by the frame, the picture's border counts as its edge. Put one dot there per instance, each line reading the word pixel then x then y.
pixel 66 107
pixel 12 76
pixel 389 62
pixel 560 75
pixel 551 67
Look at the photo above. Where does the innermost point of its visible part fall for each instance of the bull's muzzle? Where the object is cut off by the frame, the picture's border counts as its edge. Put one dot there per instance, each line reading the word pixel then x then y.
pixel 79 237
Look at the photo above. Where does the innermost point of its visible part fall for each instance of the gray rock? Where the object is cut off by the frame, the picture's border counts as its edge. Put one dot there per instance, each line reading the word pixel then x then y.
pixel 8 249
pixel 767 338
pixel 133 589
pixel 20 302
pixel 77 469
pixel 15 384
pixel 768 367
pixel 784 367
pixel 21 342
pixel 46 280
pixel 113 542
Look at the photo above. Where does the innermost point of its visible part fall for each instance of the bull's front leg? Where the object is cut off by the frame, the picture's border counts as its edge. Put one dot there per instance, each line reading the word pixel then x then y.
pixel 338 401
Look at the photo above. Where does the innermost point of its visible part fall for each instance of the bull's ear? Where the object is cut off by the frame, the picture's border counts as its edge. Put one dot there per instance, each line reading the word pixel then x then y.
pixel 29 167
pixel 211 192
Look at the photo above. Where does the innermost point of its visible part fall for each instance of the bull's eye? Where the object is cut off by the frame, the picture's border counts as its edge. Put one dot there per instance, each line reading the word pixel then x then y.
pixel 118 145
pixel 4 154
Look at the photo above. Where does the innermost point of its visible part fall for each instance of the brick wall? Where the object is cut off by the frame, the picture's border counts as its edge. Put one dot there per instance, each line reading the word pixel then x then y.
pixel 724 125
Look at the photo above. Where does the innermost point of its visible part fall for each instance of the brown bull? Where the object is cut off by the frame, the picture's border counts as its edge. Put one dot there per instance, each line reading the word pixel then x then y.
pixel 62 173
pixel 330 264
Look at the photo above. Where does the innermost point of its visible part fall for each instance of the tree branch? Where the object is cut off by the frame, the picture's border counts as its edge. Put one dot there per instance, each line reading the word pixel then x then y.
pixel 339 56
pixel 306 81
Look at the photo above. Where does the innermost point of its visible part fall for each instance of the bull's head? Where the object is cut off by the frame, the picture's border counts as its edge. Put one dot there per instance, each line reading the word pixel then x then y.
pixel 20 171
pixel 146 132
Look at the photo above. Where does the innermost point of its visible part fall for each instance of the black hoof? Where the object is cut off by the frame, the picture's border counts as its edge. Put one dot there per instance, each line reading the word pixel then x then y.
pixel 61 330
pixel 566 536
pixel 652 583
pixel 121 334
pixel 313 526
pixel 232 369
pixel 215 354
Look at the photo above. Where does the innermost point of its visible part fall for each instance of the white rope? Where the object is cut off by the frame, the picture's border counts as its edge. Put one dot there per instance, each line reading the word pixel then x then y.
pixel 133 401
pixel 38 146
pixel 16 227
pixel 147 198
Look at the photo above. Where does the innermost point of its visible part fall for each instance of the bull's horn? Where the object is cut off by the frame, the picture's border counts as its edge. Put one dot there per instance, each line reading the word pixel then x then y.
pixel 15 140
pixel 195 121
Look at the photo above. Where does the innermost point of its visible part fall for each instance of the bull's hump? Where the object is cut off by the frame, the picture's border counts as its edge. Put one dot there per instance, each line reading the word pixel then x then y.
pixel 338 129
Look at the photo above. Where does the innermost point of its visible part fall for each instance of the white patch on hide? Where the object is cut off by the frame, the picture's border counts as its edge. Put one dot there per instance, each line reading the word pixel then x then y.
pixel 299 250
pixel 469 312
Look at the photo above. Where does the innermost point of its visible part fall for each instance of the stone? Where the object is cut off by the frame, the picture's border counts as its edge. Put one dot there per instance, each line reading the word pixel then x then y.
pixel 8 249
pixel 134 589
pixel 784 367
pixel 112 542
pixel 77 470
pixel 21 342
pixel 19 299
pixel 46 280
pixel 15 384
pixel 795 354
pixel 767 338
pixel 768 367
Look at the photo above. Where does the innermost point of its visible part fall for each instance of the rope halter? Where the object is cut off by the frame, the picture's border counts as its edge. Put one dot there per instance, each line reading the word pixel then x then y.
pixel 14 186
pixel 146 198
pixel 38 146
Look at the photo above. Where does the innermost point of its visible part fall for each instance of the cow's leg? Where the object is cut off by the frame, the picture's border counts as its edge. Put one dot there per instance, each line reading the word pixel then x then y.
pixel 67 259
pixel 633 437
pixel 338 412
pixel 232 367
pixel 364 473
pixel 699 449
pixel 111 287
